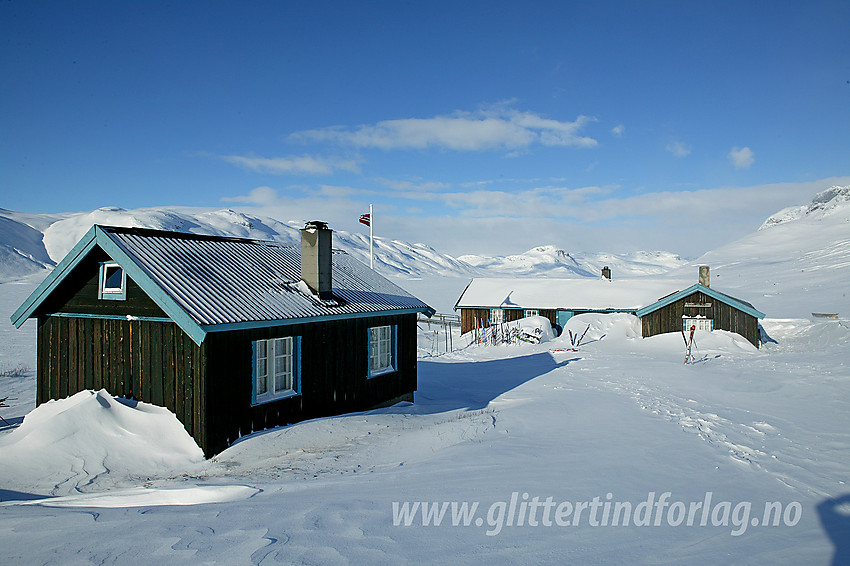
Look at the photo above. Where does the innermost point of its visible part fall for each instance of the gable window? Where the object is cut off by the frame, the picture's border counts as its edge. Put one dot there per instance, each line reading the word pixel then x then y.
pixel 531 312
pixel 277 371
pixel 382 350
pixel 112 282
pixel 700 323
pixel 497 316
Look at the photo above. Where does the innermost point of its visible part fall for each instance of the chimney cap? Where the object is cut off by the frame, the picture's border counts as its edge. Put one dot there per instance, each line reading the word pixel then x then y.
pixel 316 225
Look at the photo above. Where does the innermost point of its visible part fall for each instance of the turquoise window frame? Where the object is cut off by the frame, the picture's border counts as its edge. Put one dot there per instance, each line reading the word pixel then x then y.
pixel 687 328
pixel 102 293
pixel 296 373
pixel 393 351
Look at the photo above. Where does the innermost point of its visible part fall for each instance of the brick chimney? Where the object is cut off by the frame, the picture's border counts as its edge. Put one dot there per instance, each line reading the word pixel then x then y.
pixel 704 277
pixel 316 263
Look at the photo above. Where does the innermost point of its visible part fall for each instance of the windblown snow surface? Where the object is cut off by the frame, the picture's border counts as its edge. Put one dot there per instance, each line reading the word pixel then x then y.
pixel 550 441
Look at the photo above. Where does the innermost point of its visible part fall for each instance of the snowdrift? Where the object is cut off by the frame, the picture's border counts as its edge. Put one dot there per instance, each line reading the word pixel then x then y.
pixel 71 443
pixel 610 327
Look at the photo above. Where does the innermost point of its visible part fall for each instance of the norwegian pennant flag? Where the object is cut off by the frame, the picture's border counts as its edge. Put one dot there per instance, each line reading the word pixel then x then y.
pixel 366 219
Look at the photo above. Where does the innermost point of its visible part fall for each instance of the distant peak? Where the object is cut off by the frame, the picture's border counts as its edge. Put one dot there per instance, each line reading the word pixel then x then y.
pixel 824 203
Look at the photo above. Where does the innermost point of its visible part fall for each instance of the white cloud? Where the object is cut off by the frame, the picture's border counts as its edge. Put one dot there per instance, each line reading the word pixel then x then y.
pixel 679 149
pixel 411 185
pixel 261 196
pixel 292 164
pixel 618 130
pixel 497 128
pixel 742 157
pixel 491 221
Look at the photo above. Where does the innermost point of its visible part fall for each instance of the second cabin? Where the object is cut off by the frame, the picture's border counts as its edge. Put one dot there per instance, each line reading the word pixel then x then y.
pixel 491 301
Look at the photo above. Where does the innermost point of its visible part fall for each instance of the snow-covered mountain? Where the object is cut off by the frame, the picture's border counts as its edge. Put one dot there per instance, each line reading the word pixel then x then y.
pixel 31 242
pixel 550 261
pixel 797 263
pixel 834 200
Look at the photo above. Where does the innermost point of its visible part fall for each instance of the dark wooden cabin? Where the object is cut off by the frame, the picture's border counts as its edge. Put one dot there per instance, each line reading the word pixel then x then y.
pixel 488 301
pixel 232 335
pixel 704 308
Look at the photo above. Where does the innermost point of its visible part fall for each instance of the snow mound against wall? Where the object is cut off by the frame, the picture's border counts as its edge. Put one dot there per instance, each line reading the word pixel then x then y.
pixel 536 326
pixel 614 326
pixel 93 439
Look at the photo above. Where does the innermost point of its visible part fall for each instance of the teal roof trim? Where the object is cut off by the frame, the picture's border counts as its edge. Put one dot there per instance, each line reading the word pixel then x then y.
pixel 226 327
pixel 114 247
pixel 77 253
pixel 144 280
pixel 96 236
pixel 716 295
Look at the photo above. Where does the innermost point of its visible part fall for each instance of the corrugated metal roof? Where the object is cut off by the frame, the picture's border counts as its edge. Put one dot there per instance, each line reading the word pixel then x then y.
pixel 219 280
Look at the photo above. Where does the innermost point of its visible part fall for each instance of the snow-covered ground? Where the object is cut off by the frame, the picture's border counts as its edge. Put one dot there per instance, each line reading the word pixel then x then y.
pixel 529 432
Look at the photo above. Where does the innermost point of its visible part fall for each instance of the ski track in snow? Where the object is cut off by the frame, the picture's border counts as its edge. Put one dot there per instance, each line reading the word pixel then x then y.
pixel 767 446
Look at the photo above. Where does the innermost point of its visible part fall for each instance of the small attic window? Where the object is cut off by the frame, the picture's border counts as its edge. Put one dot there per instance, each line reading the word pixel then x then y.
pixel 113 282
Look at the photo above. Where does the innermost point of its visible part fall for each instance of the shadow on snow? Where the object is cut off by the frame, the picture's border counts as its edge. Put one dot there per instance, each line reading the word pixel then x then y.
pixel 472 385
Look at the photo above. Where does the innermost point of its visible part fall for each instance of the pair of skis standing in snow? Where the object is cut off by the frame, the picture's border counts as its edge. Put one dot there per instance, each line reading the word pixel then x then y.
pixel 689 344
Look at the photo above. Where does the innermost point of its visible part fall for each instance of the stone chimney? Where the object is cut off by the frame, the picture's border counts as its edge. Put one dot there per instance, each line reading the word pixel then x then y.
pixel 606 272
pixel 316 263
pixel 704 277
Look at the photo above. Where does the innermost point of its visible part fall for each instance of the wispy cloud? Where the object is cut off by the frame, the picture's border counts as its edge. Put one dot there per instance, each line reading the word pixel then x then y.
pixel 679 149
pixel 742 158
pixel 261 196
pixel 412 185
pixel 292 164
pixel 586 218
pixel 618 131
pixel 496 128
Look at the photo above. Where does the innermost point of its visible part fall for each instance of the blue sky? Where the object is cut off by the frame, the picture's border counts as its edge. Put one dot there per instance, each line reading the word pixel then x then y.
pixel 479 127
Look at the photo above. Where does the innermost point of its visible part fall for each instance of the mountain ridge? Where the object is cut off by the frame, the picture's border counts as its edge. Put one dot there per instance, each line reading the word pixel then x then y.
pixel 27 253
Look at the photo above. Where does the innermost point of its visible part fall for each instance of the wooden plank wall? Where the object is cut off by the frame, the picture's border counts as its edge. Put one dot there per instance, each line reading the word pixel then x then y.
pixel 551 315
pixel 468 316
pixel 726 317
pixel 78 292
pixel 334 369
pixel 154 362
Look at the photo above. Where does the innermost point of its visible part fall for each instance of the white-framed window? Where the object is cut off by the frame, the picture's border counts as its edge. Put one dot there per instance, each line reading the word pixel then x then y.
pixel 382 350
pixel 700 323
pixel 497 316
pixel 112 282
pixel 277 371
pixel 531 312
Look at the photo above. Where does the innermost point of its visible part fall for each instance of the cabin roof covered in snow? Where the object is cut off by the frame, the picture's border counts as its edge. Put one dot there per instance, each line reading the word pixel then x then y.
pixel 578 294
pixel 639 295
pixel 214 283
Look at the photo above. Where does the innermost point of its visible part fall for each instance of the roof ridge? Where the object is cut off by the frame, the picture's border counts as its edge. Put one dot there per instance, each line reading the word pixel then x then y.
pixel 181 235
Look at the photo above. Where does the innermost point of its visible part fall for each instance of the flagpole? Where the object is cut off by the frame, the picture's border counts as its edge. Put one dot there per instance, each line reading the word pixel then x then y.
pixel 371 246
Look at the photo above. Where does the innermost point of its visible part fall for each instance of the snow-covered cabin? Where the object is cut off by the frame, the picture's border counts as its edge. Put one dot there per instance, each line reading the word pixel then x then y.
pixel 488 301
pixel 233 335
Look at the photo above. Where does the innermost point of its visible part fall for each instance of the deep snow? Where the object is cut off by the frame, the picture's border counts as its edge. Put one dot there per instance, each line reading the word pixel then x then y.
pixel 621 416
